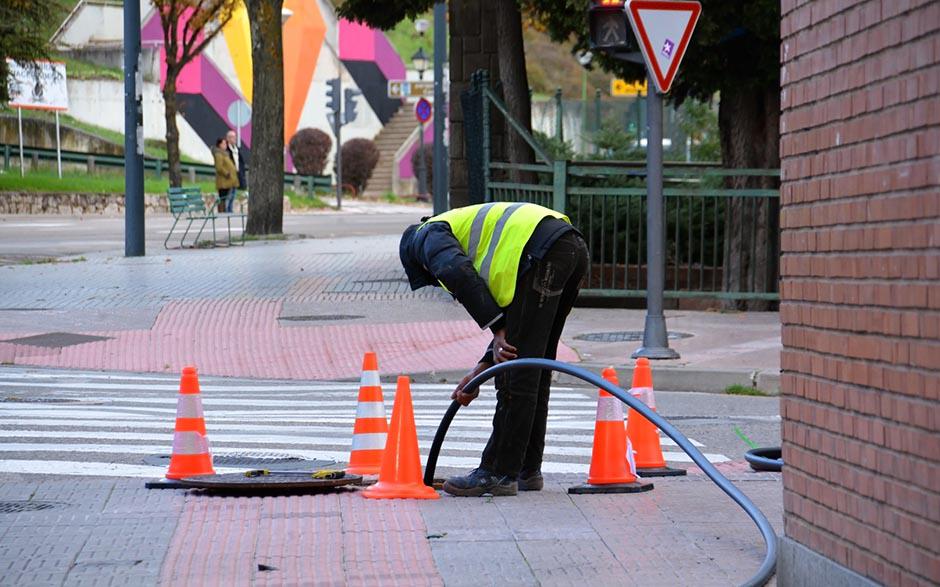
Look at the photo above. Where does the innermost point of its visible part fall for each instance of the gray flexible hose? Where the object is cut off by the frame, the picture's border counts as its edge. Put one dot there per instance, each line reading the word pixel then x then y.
pixel 766 570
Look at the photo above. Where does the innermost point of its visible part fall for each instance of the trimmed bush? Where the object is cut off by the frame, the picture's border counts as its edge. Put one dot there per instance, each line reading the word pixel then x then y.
pixel 428 151
pixel 360 157
pixel 309 148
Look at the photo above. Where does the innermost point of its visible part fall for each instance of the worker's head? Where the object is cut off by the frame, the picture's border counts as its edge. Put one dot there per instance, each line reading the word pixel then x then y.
pixel 418 276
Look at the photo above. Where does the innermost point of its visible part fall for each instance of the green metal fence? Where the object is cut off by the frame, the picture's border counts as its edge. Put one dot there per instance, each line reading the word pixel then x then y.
pixel 606 201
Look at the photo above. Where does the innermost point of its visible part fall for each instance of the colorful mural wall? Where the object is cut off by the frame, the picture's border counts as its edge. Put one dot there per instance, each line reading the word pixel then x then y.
pixel 206 93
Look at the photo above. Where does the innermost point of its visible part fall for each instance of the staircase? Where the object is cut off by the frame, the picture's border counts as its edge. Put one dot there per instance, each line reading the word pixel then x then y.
pixel 388 141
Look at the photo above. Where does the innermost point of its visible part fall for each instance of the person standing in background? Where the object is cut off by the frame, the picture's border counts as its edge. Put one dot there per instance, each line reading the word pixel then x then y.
pixel 226 175
pixel 236 156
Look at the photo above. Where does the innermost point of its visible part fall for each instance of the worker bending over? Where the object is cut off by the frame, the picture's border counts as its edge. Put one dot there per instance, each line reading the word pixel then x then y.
pixel 517 269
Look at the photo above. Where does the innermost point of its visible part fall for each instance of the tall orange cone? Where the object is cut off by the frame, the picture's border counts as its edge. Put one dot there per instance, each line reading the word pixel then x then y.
pixel 611 466
pixel 641 433
pixel 400 476
pixel 371 429
pixel 191 455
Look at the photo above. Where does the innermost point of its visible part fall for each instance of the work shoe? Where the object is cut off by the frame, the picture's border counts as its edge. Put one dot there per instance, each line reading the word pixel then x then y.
pixel 480 482
pixel 531 481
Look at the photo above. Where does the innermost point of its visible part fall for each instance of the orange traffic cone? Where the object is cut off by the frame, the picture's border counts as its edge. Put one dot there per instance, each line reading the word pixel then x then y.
pixel 401 465
pixel 190 445
pixel 371 428
pixel 612 468
pixel 641 433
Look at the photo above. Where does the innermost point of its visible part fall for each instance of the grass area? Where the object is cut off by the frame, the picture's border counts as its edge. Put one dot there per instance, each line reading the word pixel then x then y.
pixel 152 147
pixel 266 237
pixel 743 390
pixel 406 40
pixel 80 69
pixel 304 201
pixel 51 260
pixel 76 182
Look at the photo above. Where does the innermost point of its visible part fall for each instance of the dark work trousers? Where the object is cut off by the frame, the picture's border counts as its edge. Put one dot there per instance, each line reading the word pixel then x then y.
pixel 534 321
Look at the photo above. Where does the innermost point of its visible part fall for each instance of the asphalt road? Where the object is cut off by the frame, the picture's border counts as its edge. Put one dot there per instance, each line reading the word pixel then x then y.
pixel 33 238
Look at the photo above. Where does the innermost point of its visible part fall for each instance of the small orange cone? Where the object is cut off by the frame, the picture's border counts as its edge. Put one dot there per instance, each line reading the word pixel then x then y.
pixel 641 433
pixel 400 476
pixel 371 429
pixel 191 455
pixel 611 466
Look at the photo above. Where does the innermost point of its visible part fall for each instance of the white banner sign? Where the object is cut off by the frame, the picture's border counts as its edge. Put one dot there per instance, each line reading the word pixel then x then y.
pixel 39 87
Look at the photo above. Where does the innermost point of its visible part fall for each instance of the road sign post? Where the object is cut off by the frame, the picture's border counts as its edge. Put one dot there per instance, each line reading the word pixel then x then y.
pixel 655 33
pixel 423 112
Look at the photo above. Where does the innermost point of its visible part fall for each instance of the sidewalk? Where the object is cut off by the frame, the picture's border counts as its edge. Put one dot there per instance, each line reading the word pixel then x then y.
pixel 105 531
pixel 310 308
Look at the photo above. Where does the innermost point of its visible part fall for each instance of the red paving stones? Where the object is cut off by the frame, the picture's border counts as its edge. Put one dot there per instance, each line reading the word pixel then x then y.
pixel 242 337
pixel 327 539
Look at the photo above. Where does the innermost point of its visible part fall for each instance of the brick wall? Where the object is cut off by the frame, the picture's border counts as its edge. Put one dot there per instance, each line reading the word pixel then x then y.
pixel 860 290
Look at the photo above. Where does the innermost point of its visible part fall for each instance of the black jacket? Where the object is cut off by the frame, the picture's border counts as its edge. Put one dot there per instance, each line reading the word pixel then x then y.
pixel 432 256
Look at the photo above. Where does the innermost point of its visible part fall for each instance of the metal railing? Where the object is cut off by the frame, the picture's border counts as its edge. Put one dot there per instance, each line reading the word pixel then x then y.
pixel 92 161
pixel 606 201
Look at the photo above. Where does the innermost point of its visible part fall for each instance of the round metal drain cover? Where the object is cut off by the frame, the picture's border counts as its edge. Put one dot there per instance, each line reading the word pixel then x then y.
pixel 16 507
pixel 624 336
pixel 252 461
pixel 274 482
pixel 321 317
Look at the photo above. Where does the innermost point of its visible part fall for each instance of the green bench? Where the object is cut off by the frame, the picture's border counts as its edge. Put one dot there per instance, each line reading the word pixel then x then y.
pixel 187 204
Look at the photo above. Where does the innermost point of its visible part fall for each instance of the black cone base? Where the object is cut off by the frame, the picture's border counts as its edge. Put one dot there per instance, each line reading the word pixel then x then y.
pixel 660 472
pixel 587 488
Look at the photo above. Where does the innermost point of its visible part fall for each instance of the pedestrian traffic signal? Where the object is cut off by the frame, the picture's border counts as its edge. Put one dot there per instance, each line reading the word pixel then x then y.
pixel 349 105
pixel 608 25
pixel 332 94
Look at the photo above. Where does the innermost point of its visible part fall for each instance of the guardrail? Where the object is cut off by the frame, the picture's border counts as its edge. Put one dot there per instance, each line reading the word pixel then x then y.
pixel 92 161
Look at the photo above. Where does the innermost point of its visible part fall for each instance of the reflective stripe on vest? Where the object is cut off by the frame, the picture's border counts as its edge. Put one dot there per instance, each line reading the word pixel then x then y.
pixel 494 236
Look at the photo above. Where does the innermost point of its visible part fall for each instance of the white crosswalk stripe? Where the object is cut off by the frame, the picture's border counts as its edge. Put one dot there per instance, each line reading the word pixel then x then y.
pixel 72 423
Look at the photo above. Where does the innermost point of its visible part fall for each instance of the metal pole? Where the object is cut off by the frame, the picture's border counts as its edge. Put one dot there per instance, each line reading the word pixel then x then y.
pixel 422 168
pixel 338 125
pixel 133 134
pixel 19 120
pixel 58 144
pixel 559 117
pixel 655 339
pixel 439 164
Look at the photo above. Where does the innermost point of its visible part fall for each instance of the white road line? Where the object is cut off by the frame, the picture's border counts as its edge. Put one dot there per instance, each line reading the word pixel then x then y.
pixel 88 468
pixel 264 403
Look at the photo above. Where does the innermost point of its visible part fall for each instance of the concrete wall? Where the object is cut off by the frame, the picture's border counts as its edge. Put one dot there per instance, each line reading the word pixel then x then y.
pixel 860 291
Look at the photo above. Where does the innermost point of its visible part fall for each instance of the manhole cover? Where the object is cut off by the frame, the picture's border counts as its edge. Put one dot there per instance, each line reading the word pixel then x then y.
pixel 57 340
pixel 321 317
pixel 16 507
pixel 252 461
pixel 624 336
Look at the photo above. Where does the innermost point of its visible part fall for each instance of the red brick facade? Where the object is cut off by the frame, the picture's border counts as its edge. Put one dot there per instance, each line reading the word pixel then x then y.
pixel 860 289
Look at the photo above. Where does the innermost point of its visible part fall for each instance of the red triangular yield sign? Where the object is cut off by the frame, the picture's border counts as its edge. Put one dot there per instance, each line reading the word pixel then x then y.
pixel 663 29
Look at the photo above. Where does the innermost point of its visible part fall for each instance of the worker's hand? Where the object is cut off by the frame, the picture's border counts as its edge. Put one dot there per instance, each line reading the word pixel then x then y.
pixel 465 398
pixel 502 350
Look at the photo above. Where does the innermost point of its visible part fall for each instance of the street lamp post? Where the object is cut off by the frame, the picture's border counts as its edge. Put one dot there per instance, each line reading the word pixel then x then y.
pixel 420 62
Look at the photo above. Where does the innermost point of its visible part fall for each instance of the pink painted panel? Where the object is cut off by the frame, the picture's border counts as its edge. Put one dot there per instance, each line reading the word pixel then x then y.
pixel 387 58
pixel 356 41
pixel 405 169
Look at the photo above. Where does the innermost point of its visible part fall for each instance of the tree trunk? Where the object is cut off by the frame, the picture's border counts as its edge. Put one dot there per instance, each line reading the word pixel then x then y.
pixel 749 123
pixel 266 178
pixel 512 74
pixel 172 132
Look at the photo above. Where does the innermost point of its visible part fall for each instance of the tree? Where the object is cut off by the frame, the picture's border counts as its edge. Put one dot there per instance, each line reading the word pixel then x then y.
pixel 510 70
pixel 735 51
pixel 266 182
pixel 21 36
pixel 186 32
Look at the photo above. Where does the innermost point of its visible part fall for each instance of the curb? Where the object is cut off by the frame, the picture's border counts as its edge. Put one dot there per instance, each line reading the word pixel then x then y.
pixel 666 378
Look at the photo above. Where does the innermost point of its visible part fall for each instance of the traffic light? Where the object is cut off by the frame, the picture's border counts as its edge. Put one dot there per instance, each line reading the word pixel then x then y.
pixel 349 105
pixel 332 94
pixel 608 26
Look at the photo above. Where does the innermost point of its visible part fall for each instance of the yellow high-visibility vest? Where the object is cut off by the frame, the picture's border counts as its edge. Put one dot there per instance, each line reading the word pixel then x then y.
pixel 494 236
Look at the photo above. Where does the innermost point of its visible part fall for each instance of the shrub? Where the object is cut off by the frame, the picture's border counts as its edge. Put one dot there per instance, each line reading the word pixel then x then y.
pixel 428 152
pixel 309 148
pixel 360 157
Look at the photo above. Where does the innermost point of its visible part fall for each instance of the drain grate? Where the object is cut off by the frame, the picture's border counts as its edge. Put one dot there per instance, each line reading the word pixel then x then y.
pixel 624 336
pixel 17 507
pixel 252 460
pixel 321 317
pixel 57 340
